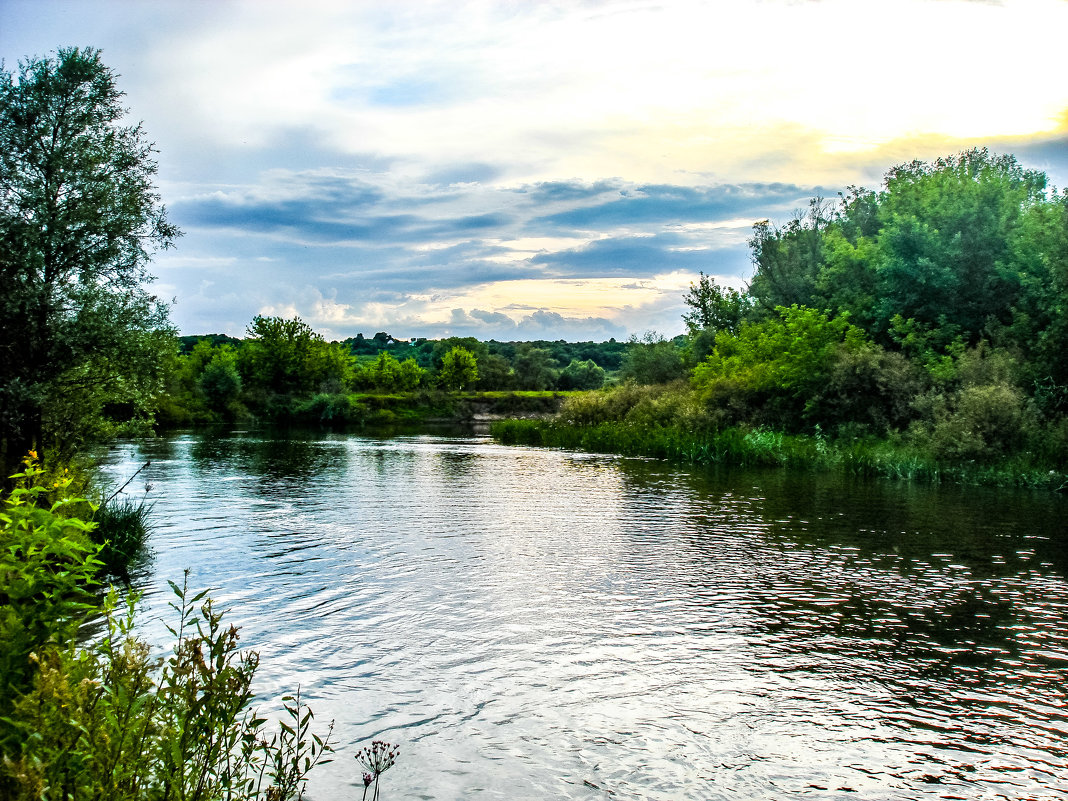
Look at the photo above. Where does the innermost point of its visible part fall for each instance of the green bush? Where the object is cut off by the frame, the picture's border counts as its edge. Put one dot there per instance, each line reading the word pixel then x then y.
pixel 48 567
pixel 868 389
pixel 770 370
pixel 612 404
pixel 108 721
pixel 334 409
pixel 983 423
pixel 581 375
pixel 652 360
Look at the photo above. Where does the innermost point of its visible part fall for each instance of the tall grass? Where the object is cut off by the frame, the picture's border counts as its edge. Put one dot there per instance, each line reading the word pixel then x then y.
pixel 121 532
pixel 761 447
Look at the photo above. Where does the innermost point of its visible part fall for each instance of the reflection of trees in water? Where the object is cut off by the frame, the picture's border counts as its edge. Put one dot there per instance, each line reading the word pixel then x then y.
pixel 289 456
pixel 937 581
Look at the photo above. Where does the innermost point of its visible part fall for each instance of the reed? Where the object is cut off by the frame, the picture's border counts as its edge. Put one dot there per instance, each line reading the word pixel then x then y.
pixel 763 447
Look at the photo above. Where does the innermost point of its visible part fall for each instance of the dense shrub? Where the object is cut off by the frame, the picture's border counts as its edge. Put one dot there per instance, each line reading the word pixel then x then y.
pixel 48 564
pixel 107 720
pixel 771 369
pixel 121 531
pixel 325 408
pixel 652 359
pixel 612 404
pixel 868 389
pixel 581 375
pixel 981 423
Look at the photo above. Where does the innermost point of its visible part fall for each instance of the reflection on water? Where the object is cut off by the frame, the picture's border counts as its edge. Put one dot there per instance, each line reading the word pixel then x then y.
pixel 537 624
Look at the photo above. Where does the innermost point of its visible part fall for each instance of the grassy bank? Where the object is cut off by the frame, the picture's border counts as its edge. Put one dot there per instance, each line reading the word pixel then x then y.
pixel 761 447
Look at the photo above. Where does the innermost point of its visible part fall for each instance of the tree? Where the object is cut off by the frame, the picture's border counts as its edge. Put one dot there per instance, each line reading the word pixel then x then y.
pixel 286 357
pixel 784 360
pixel 787 260
pixel 385 371
pixel 652 360
pixel 220 382
pixel 534 367
pixel 459 369
pixel 410 375
pixel 581 375
pixel 79 221
pixel 712 307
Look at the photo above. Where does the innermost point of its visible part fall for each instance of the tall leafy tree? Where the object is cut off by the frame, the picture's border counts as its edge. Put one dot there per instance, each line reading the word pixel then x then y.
pixel 79 221
pixel 949 251
pixel 288 358
pixel 535 368
pixel 459 369
pixel 787 260
pixel 712 307
pixel 652 359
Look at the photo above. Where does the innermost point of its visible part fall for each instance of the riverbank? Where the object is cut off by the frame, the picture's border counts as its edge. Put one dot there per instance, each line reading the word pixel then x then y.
pixel 761 447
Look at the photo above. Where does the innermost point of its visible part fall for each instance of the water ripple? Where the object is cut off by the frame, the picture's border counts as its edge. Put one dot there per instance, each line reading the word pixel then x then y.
pixel 537 624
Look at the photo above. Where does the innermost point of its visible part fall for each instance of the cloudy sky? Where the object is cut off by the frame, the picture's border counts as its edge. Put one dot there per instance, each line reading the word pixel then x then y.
pixel 529 170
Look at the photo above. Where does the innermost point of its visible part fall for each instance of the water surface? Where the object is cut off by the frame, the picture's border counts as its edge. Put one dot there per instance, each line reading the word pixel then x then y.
pixel 540 624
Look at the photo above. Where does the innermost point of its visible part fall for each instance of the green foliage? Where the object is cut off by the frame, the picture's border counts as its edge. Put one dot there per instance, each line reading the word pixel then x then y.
pixel 79 220
pixel 788 260
pixel 385 372
pixel 763 447
pixel 534 368
pixel 220 382
pixel 652 359
pixel 49 565
pixel 947 243
pixel 611 404
pixel 105 719
pixel 441 347
pixel 867 389
pixel 712 307
pixel 109 721
pixel 922 327
pixel 458 369
pixel 981 423
pixel 327 408
pixel 948 253
pixel 981 415
pixel 780 362
pixel 202 389
pixel 121 532
pixel 495 373
pixel 581 375
pixel 286 357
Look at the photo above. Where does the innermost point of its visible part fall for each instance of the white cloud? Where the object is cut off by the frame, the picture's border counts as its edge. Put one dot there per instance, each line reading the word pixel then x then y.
pixel 380 164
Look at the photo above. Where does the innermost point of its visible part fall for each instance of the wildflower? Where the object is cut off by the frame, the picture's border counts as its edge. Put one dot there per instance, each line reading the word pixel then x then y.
pixel 377 758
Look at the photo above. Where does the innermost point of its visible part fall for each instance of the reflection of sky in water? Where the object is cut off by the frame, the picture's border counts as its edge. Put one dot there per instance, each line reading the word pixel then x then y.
pixel 541 624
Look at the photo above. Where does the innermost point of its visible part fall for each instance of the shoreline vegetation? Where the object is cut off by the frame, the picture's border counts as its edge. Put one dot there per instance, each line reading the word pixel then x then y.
pixel 762 447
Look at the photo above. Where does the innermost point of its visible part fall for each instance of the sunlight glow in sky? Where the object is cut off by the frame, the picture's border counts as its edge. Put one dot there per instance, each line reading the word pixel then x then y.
pixel 534 170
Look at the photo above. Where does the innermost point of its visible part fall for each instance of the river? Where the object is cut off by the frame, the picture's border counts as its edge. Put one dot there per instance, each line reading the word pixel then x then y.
pixel 538 624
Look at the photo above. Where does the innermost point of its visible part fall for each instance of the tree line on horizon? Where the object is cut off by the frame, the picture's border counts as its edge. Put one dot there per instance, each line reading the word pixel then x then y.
pixel 284 370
